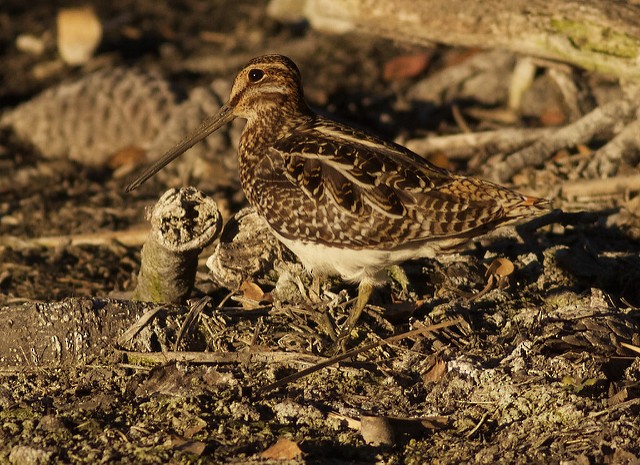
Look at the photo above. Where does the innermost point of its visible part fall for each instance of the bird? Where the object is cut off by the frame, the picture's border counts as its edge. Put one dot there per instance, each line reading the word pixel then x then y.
pixel 344 201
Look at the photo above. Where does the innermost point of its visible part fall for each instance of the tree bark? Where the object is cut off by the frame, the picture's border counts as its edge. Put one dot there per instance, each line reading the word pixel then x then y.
pixel 596 35
pixel 62 333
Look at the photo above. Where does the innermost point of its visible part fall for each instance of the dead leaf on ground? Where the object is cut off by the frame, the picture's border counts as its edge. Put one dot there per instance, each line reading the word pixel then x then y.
pixel 500 267
pixel 455 57
pixel 578 384
pixel 193 447
pixel 560 155
pixel 584 149
pixel 553 116
pixel 283 449
pixel 382 430
pixel 406 66
pixel 252 292
pixel 401 309
pixel 436 372
pixel 131 155
pixel 440 159
pixel 619 397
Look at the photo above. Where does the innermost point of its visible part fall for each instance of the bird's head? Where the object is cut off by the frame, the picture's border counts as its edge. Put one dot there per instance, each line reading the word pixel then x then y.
pixel 267 82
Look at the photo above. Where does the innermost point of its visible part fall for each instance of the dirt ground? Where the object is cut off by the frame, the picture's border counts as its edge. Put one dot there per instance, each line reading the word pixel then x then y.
pixel 539 368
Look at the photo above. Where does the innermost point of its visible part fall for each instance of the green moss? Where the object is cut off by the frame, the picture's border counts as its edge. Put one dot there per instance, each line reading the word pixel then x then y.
pixel 20 414
pixel 597 38
pixel 396 273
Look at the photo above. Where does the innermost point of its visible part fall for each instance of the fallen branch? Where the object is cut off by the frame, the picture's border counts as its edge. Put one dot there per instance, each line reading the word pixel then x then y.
pixel 603 119
pixel 596 35
pixel 465 146
pixel 216 358
pixel 131 237
pixel 69 332
pixel 584 188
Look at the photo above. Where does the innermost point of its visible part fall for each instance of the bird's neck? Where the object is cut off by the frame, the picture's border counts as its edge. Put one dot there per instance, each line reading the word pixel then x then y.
pixel 269 122
pixel 276 116
pixel 263 129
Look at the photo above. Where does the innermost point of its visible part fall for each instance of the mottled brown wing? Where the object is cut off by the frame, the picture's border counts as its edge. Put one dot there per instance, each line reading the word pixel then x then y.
pixel 360 174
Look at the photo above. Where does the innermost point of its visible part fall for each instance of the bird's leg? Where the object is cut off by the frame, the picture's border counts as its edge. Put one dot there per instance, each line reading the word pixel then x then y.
pixel 314 290
pixel 364 292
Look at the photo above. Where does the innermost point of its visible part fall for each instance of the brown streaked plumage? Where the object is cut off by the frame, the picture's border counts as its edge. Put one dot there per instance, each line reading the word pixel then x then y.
pixel 346 202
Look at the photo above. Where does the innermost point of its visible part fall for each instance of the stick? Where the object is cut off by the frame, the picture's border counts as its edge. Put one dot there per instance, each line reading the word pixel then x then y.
pixel 584 188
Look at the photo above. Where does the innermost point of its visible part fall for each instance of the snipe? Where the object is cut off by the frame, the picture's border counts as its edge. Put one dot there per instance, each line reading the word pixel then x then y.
pixel 344 201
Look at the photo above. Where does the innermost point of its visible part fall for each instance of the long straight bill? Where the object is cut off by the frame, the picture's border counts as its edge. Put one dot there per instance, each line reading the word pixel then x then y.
pixel 208 126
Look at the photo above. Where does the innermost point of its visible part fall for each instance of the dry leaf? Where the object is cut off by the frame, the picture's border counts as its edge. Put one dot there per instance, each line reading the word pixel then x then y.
pixel 400 310
pixel 553 116
pixel 283 449
pixel 131 155
pixel 584 149
pixel 193 447
pixel 577 384
pixel 79 34
pixel 31 44
pixel 440 159
pixel 499 270
pixel 619 397
pixel 456 56
pixel 561 154
pixel 191 431
pixel 436 372
pixel 251 290
pixel 406 66
pixel 348 421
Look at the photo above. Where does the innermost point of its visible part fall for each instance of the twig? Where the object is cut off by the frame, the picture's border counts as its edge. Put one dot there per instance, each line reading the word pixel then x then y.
pixel 630 347
pixel 601 120
pixel 155 358
pixel 605 161
pixel 477 427
pixel 465 146
pixel 135 328
pixel 560 217
pixel 130 237
pixel 595 187
pixel 190 319
pixel 459 119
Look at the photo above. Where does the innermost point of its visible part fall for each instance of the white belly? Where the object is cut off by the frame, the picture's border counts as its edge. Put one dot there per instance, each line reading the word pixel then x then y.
pixel 352 265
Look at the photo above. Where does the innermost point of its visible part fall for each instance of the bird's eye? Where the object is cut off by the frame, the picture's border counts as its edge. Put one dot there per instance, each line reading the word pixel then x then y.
pixel 255 75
